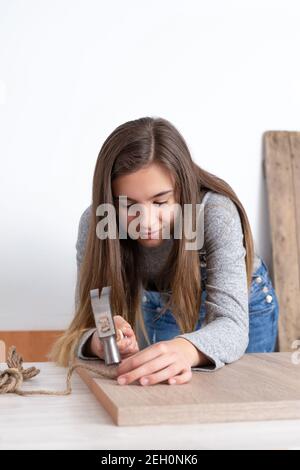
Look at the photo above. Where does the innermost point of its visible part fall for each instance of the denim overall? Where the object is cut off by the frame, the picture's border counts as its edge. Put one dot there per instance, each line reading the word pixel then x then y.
pixel 263 313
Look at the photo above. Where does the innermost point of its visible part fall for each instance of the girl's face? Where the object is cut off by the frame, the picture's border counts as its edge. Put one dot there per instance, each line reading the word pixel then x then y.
pixel 153 188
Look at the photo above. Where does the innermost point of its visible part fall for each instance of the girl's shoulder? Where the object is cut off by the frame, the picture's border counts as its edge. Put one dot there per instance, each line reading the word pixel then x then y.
pixel 213 200
pixel 220 213
pixel 85 218
pixel 83 228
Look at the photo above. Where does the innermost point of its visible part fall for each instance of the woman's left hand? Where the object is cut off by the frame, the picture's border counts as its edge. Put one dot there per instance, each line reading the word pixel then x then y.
pixel 164 361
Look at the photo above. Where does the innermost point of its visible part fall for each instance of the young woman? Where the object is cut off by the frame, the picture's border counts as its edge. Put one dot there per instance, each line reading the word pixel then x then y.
pixel 180 309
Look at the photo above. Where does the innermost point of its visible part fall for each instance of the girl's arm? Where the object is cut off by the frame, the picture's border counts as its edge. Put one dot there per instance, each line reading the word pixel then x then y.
pixel 83 351
pixel 224 335
pixel 223 338
pixel 90 346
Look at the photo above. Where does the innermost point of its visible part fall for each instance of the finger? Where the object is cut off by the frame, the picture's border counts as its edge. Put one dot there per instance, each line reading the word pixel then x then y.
pixel 133 348
pixel 119 335
pixel 141 357
pixel 129 343
pixel 128 353
pixel 135 345
pixel 150 367
pixel 123 330
pixel 120 322
pixel 127 331
pixel 123 344
pixel 162 375
pixel 182 378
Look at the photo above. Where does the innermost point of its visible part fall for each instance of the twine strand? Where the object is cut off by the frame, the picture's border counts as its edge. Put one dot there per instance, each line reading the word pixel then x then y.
pixel 12 378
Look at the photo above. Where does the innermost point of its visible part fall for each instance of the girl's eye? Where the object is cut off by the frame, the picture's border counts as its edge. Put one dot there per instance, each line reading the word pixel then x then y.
pixel 160 203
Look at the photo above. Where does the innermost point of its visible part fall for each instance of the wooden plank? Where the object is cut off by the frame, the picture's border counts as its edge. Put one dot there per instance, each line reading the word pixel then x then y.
pixel 295 158
pixel 282 158
pixel 32 345
pixel 261 386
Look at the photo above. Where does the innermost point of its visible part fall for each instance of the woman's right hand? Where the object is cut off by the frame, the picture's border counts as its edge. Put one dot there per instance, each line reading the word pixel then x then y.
pixel 127 345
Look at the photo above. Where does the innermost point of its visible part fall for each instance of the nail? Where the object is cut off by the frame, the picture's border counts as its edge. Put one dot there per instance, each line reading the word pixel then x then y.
pixel 172 381
pixel 121 380
pixel 144 381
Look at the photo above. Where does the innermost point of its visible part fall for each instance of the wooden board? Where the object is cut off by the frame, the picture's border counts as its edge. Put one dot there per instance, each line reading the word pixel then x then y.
pixel 263 386
pixel 282 171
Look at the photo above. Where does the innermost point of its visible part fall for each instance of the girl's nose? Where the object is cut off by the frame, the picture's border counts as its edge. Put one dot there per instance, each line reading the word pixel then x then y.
pixel 149 221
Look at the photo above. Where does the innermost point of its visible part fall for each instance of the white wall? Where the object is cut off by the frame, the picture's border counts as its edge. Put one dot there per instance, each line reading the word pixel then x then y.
pixel 71 71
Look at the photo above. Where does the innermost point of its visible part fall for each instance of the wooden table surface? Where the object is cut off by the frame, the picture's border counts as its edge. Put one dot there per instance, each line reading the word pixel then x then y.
pixel 78 421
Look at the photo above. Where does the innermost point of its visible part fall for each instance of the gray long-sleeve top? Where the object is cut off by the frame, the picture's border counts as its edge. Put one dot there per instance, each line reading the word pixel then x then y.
pixel 224 335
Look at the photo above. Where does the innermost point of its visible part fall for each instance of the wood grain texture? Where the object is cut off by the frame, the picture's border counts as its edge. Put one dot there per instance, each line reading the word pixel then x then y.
pixel 258 387
pixel 282 171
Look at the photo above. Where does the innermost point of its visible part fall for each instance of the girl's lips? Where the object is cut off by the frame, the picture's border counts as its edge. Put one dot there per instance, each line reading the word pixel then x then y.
pixel 151 234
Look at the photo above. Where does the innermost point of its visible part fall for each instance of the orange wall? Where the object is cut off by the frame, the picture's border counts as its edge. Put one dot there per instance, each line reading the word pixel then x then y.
pixel 31 345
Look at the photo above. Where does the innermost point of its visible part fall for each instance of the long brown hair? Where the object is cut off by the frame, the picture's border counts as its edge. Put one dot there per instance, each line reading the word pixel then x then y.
pixel 130 147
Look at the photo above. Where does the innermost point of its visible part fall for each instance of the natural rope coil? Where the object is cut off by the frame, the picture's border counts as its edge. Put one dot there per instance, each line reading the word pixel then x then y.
pixel 12 378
